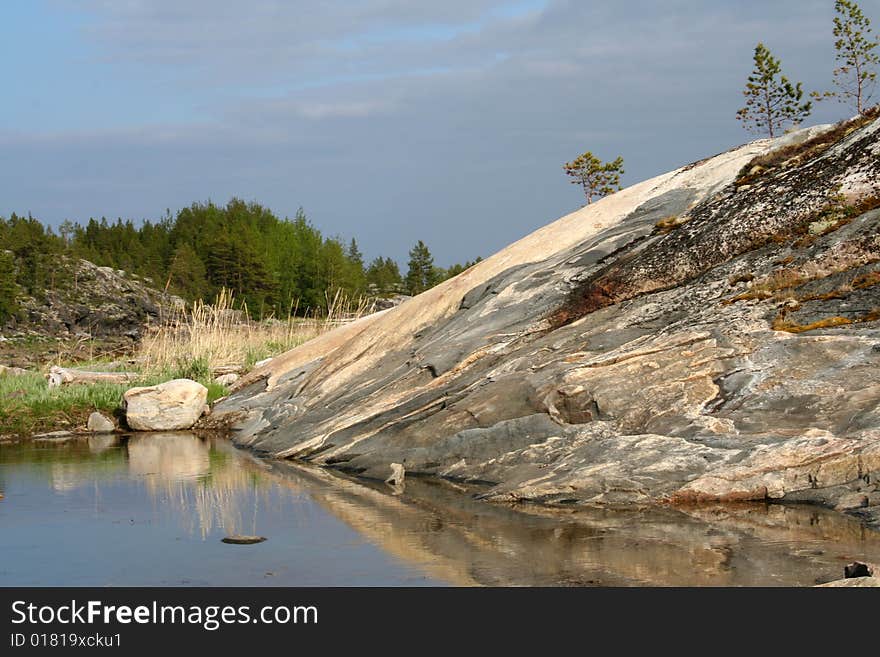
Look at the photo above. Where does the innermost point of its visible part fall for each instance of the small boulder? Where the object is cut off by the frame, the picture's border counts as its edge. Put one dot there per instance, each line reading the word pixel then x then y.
pixel 398 474
pixel 99 424
pixel 226 379
pixel 170 406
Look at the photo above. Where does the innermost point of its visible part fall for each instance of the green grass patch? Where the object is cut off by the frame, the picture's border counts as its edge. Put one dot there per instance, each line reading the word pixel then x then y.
pixel 28 405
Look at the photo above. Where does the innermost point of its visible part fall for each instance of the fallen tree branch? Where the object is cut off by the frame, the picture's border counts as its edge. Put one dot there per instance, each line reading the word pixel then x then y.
pixel 59 376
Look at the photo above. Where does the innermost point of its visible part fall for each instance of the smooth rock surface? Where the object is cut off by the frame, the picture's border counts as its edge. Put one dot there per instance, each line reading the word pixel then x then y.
pixel 607 360
pixel 169 406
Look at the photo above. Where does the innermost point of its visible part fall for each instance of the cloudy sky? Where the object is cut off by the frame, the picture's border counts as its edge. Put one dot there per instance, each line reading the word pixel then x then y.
pixel 388 120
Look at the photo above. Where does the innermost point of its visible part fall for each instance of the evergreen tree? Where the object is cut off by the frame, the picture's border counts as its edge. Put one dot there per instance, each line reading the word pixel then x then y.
pixel 187 274
pixel 8 288
pixel 354 254
pixel 597 178
pixel 856 76
pixel 272 265
pixel 420 275
pixel 772 102
pixel 357 278
pixel 383 277
pixel 457 268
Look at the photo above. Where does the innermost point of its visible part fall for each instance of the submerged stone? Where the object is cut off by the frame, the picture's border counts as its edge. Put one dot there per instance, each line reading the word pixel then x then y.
pixel 243 540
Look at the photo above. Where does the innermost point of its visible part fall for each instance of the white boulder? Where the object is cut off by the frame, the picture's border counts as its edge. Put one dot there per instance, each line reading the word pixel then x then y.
pixel 169 406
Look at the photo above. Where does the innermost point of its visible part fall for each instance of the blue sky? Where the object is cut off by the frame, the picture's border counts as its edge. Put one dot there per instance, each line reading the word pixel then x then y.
pixel 388 120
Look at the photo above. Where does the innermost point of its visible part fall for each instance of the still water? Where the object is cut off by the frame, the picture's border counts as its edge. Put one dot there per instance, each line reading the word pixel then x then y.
pixel 152 510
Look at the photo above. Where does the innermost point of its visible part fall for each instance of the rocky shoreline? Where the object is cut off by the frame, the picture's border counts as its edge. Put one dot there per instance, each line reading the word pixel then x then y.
pixel 618 356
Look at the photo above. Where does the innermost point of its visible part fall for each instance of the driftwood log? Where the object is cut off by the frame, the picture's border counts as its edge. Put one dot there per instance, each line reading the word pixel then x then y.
pixel 221 370
pixel 59 376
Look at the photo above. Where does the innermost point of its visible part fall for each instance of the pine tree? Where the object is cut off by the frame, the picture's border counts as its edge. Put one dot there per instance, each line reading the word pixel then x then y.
pixel 187 274
pixel 771 103
pixel 856 77
pixel 8 288
pixel 420 275
pixel 383 277
pixel 354 253
pixel 357 279
pixel 598 178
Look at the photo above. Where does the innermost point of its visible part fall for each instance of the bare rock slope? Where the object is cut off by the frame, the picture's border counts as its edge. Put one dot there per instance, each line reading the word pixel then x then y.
pixel 710 334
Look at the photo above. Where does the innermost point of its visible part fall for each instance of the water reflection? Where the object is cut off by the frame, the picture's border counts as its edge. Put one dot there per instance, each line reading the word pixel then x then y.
pixel 209 489
pixel 469 542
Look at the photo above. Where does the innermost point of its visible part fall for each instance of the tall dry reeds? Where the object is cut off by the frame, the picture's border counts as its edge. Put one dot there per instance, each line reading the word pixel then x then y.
pixel 211 338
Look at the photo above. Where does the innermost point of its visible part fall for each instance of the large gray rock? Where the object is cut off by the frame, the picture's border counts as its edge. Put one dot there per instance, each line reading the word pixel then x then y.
pixel 169 406
pixel 685 340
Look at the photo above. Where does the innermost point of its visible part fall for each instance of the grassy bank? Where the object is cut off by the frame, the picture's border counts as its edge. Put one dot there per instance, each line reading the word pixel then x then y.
pixel 28 405
pixel 194 344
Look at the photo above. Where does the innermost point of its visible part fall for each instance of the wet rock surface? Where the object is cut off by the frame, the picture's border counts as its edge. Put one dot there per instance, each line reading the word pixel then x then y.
pixel 728 354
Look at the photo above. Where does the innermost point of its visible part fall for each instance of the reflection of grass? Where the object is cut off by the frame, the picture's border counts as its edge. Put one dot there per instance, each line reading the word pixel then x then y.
pixel 228 496
pixel 71 452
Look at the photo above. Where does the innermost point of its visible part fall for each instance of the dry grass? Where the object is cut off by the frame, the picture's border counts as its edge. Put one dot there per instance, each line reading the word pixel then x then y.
pixel 670 223
pixel 781 324
pixel 782 279
pixel 211 338
pixel 794 155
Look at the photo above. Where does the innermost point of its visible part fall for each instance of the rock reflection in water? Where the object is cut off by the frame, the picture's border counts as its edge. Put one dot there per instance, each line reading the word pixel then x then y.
pixel 164 457
pixel 207 483
pixel 470 542
pixel 209 487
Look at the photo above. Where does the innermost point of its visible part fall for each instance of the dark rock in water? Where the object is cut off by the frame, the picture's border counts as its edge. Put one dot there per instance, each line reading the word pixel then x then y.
pixel 243 540
pixel 687 339
pixel 857 569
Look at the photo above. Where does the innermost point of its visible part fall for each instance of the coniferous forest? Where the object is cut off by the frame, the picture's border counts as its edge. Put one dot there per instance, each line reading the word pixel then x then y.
pixel 276 266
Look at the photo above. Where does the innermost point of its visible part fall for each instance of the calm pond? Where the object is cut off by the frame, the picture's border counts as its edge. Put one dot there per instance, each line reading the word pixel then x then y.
pixel 152 510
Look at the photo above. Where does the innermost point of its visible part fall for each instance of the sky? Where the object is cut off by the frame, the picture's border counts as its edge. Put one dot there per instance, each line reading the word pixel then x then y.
pixel 386 120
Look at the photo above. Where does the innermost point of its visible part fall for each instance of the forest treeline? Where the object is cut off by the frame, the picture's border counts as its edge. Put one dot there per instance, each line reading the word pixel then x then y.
pixel 277 266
